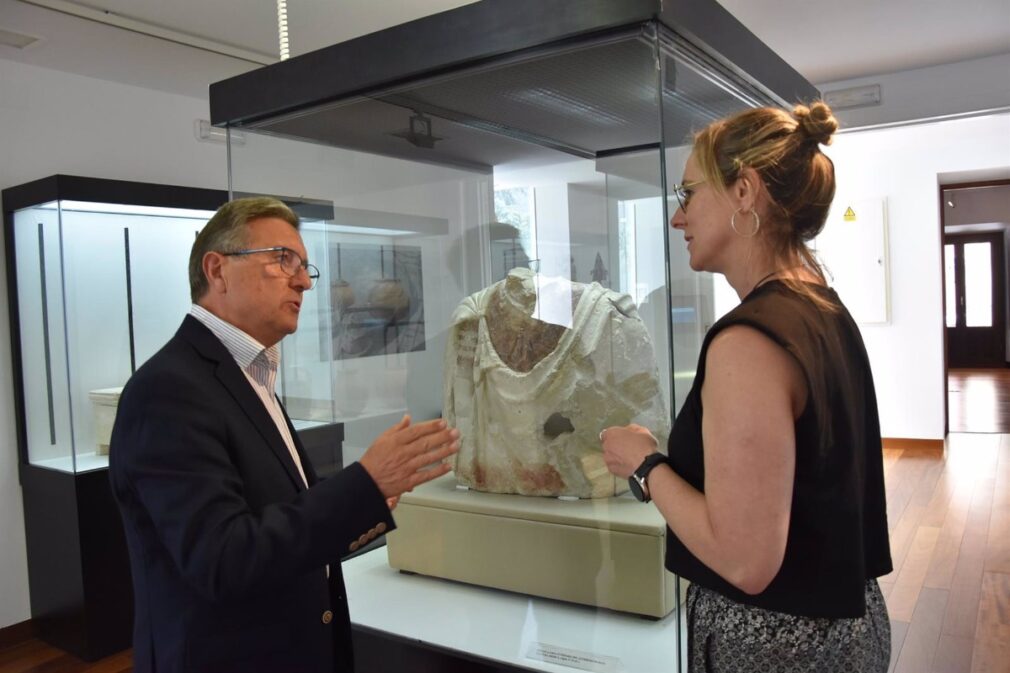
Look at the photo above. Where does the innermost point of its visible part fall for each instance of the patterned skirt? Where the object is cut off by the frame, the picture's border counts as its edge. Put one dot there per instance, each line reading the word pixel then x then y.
pixel 728 637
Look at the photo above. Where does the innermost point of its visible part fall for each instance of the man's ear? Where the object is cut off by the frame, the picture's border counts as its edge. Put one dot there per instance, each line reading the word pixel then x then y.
pixel 213 270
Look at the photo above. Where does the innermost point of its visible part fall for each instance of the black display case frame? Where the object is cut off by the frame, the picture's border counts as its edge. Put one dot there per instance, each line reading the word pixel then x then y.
pixel 489 31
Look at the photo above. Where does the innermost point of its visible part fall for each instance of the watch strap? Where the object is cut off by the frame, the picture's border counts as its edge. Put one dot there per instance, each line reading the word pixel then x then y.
pixel 641 474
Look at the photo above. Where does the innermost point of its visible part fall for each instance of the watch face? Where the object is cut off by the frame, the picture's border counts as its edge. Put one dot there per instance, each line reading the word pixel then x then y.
pixel 636 488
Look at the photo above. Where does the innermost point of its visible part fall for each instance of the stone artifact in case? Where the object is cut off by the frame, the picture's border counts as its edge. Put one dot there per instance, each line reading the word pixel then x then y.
pixel 535 367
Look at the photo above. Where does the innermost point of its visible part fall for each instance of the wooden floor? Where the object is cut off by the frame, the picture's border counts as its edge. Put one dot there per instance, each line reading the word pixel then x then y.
pixel 949 595
pixel 34 656
pixel 978 400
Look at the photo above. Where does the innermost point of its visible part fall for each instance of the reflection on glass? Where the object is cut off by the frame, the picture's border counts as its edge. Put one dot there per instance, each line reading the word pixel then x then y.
pixel 949 290
pixel 514 206
pixel 978 284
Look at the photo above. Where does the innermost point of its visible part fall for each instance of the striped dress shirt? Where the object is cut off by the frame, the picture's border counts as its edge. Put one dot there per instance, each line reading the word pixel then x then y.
pixel 259 364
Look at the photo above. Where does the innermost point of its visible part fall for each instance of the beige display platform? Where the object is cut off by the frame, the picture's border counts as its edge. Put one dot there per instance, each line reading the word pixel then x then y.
pixel 604 552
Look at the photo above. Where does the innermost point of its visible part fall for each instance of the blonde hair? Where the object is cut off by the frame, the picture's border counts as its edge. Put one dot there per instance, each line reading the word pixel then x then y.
pixel 785 151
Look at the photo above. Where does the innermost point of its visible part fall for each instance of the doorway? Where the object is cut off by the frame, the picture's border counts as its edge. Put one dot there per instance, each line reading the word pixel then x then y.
pixel 976 221
pixel 974 280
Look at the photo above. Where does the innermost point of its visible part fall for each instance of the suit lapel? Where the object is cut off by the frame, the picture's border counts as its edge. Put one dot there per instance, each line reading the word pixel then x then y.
pixel 310 472
pixel 235 382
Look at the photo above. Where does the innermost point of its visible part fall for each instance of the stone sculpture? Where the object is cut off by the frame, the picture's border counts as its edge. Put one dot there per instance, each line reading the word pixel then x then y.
pixel 530 392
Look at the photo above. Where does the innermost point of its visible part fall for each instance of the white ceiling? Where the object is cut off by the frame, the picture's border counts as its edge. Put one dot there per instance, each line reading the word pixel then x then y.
pixel 824 40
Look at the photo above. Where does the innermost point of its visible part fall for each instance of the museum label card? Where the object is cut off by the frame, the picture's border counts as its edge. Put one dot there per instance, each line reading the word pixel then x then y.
pixel 586 661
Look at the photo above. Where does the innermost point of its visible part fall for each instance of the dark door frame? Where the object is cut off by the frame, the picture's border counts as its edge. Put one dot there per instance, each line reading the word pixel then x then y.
pixel 943 287
pixel 969 339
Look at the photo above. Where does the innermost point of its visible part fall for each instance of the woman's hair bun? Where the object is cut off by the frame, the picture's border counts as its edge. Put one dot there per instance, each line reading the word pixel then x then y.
pixel 815 122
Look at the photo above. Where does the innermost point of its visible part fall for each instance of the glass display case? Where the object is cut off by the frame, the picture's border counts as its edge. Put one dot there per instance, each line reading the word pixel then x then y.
pixel 97 283
pixel 99 287
pixel 499 255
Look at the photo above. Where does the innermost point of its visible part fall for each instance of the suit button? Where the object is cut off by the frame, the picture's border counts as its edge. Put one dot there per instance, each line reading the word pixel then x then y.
pixel 363 540
pixel 381 527
pixel 371 534
pixel 355 545
pixel 327 617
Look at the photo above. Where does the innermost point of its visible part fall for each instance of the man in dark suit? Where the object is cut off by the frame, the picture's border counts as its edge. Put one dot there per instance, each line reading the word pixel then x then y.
pixel 234 543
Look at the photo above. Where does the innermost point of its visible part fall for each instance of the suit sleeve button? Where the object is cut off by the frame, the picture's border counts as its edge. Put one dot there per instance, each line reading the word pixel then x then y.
pixel 354 545
pixel 327 617
pixel 380 528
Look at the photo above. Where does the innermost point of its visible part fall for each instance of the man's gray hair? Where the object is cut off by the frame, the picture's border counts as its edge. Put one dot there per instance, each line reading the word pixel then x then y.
pixel 227 232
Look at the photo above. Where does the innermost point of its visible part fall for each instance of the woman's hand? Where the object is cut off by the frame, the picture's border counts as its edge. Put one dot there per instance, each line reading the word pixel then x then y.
pixel 624 448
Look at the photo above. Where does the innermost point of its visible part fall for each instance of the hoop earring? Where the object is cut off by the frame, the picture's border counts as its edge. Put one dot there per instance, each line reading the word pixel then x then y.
pixel 757 223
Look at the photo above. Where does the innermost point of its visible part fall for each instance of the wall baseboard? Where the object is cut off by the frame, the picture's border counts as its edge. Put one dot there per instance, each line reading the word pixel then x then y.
pixel 15 634
pixel 914 444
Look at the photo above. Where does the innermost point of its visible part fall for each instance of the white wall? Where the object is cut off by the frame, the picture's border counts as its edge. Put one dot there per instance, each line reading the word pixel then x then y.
pixel 53 122
pixel 904 166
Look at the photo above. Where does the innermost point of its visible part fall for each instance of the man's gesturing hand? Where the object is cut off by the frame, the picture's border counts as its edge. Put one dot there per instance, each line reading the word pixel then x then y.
pixel 397 459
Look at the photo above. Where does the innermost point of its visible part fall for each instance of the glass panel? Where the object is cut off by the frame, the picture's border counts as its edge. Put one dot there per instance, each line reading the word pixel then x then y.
pixel 159 279
pixel 43 350
pixel 978 284
pixel 693 95
pixel 97 327
pixel 950 285
pixel 116 288
pixel 497 253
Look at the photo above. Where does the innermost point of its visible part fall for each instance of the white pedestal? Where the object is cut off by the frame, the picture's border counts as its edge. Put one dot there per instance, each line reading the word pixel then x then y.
pixel 104 402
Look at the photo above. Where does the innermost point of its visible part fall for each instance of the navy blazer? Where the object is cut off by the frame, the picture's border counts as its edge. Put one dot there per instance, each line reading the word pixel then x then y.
pixel 228 549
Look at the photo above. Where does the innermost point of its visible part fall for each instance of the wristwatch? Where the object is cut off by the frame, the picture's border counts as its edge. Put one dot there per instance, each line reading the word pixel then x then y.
pixel 637 482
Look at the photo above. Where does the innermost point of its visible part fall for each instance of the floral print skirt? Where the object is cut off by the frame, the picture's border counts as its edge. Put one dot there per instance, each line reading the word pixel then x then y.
pixel 728 637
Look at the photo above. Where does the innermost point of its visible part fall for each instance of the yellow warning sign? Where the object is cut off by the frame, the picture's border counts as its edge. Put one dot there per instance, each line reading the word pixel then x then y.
pixel 850 215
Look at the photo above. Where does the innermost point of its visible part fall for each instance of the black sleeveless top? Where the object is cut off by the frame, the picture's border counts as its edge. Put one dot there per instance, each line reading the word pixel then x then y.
pixel 838 524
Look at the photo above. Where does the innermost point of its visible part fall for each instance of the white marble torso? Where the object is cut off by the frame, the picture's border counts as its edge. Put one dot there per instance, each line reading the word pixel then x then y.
pixel 602 372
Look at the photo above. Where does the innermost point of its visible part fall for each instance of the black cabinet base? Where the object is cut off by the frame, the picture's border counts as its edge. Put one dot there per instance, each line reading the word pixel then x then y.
pixel 78 568
pixel 379 652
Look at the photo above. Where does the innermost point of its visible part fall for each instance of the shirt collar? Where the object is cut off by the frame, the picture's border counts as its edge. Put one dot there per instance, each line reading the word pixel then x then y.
pixel 244 348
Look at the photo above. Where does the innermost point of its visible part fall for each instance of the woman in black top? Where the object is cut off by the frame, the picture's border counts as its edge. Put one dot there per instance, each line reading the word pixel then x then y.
pixel 773 489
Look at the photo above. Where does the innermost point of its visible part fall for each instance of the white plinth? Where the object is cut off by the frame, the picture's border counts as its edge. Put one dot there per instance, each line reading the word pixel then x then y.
pixel 104 403
pixel 502 626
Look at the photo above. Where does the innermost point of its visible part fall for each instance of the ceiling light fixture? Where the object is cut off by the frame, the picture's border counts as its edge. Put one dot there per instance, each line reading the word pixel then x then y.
pixel 15 39
pixel 213 134
pixel 857 96
pixel 419 134
pixel 142 27
pixel 282 28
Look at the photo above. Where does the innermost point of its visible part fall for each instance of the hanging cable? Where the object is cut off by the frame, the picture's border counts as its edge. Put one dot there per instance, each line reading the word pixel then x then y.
pixel 282 28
